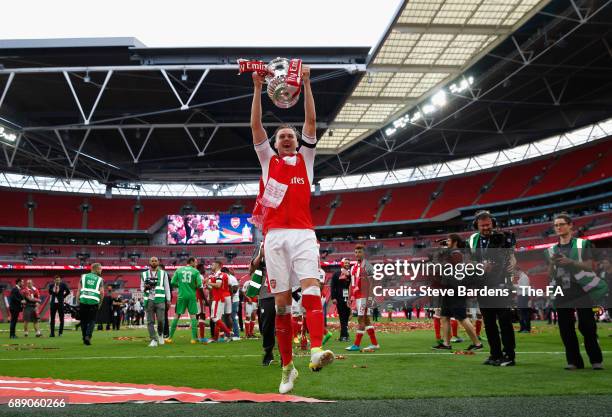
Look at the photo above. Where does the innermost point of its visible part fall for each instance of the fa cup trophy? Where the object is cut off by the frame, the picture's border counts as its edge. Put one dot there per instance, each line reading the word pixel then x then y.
pixel 283 76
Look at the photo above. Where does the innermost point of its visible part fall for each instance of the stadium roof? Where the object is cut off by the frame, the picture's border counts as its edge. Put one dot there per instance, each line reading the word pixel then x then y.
pixel 449 80
pixel 429 43
pixel 114 110
pixel 551 75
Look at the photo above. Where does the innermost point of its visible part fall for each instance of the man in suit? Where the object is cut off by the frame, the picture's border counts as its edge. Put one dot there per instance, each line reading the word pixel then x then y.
pixel 58 291
pixel 340 284
pixel 16 303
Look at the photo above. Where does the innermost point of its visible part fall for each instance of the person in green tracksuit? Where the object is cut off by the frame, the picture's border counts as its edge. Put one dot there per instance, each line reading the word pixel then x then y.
pixel 570 268
pixel 188 280
pixel 90 295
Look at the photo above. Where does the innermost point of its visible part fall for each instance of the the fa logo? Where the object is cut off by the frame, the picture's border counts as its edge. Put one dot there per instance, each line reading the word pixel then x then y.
pixel 297 180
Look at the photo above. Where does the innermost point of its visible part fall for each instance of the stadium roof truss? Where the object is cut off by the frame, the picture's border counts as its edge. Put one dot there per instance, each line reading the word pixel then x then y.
pixel 429 43
pixel 14 137
pixel 391 176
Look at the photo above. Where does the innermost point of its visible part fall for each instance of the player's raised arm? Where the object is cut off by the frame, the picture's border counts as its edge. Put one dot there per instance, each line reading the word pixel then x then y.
pixel 257 129
pixel 310 114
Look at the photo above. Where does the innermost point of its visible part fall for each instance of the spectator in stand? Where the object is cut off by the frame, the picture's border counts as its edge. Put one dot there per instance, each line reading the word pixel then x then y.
pixel 58 291
pixel 16 304
pixel 30 313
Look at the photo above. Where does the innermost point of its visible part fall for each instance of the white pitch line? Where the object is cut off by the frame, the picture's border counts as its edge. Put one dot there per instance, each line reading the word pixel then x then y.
pixel 253 355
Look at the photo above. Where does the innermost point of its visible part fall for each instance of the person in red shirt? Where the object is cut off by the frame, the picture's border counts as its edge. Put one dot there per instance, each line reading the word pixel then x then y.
pixel 250 312
pixel 218 282
pixel 290 243
pixel 30 312
pixel 201 316
pixel 361 275
pixel 227 298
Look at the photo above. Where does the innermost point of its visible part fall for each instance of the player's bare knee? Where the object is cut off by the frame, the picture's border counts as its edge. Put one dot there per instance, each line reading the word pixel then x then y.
pixel 283 310
pixel 307 283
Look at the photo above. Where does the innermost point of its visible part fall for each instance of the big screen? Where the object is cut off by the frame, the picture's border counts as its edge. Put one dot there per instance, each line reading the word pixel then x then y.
pixel 198 229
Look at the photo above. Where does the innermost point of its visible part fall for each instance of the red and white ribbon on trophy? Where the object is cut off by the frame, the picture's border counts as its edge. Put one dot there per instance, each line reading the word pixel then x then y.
pixel 260 67
pixel 294 75
pixel 284 78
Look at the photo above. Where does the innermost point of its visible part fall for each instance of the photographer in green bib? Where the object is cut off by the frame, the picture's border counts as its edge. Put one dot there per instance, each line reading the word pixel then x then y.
pixel 90 294
pixel 156 293
pixel 571 270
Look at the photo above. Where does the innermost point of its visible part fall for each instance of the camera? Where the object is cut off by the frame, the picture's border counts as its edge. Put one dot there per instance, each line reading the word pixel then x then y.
pixel 150 283
pixel 502 240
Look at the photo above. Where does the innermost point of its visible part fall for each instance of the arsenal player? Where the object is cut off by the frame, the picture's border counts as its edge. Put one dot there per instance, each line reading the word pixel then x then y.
pixel 250 316
pixel 361 275
pixel 287 164
pixel 219 283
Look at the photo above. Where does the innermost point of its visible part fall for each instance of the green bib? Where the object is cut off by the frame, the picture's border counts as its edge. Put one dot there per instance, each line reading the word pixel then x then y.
pixel 160 292
pixel 588 280
pixel 90 289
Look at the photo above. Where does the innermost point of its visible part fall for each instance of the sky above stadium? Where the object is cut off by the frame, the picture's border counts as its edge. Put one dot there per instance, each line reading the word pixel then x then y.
pixel 189 23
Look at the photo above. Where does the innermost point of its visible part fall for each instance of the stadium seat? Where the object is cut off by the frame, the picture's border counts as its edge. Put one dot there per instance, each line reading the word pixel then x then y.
pixel 512 181
pixel 14 211
pixel 459 192
pixel 358 207
pixel 408 203
pixel 567 168
pixel 58 211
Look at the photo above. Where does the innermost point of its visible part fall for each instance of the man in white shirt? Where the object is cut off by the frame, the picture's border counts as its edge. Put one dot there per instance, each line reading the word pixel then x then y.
pixel 522 301
pixel 233 283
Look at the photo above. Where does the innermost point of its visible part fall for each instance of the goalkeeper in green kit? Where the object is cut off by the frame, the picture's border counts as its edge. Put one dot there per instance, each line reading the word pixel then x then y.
pixel 188 280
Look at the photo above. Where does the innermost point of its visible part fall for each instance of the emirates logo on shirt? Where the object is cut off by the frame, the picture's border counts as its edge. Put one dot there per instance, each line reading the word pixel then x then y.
pixel 297 180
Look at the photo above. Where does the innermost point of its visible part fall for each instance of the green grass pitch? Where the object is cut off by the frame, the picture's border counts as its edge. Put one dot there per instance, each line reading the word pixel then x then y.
pixel 404 368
